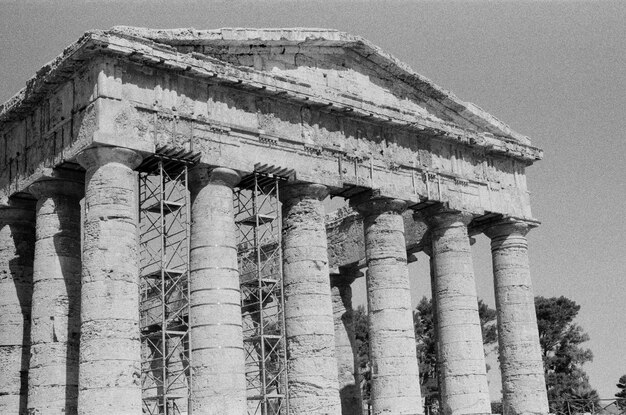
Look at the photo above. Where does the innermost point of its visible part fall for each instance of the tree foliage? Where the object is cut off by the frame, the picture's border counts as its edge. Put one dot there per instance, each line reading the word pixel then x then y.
pixel 560 338
pixel 362 337
pixel 426 343
pixel 424 324
pixel 621 395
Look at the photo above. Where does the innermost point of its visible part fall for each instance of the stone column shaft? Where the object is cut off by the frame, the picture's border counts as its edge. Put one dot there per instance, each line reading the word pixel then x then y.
pixel 55 329
pixel 110 350
pixel 460 352
pixel 345 343
pixel 395 371
pixel 521 364
pixel 217 355
pixel 312 369
pixel 17 237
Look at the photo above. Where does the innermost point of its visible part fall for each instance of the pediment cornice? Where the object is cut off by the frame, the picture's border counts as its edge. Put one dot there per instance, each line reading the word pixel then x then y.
pixel 170 50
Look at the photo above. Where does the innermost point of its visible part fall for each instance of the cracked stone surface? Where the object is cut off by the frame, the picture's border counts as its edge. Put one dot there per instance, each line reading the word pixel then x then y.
pixel 313 385
pixel 55 328
pixel 217 355
pixel 110 351
pixel 17 237
pixel 395 373
pixel 461 357
pixel 521 365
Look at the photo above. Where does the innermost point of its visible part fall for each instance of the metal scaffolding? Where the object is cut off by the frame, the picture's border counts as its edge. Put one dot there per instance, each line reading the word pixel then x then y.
pixel 164 275
pixel 257 215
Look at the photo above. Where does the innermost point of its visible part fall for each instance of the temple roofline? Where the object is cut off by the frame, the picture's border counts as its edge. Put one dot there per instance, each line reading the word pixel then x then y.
pixel 136 44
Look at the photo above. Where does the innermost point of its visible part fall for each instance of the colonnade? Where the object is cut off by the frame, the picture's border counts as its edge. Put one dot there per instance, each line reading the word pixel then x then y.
pixel 73 337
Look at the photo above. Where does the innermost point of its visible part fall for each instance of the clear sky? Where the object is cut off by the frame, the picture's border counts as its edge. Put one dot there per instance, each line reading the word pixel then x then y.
pixel 555 71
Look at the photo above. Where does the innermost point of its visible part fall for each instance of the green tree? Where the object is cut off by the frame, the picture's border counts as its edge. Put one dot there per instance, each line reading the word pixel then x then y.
pixel 560 338
pixel 361 331
pixel 426 343
pixel 621 395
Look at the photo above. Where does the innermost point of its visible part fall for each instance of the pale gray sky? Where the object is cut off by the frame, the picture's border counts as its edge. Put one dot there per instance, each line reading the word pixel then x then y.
pixel 555 71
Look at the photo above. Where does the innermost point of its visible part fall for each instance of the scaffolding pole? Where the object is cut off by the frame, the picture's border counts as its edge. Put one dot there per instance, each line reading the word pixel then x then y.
pixel 257 215
pixel 164 221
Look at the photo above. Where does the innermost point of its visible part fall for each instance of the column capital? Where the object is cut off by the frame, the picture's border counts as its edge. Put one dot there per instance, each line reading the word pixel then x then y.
pixel 200 176
pixel 301 190
pixel 17 210
pixel 508 233
pixel 440 216
pixel 96 156
pixel 508 226
pixel 372 204
pixel 56 186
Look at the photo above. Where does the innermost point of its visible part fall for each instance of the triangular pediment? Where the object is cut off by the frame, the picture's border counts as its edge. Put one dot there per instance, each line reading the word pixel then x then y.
pixel 334 63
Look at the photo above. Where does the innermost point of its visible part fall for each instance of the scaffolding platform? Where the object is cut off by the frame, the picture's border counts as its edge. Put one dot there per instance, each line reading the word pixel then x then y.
pixel 258 220
pixel 164 220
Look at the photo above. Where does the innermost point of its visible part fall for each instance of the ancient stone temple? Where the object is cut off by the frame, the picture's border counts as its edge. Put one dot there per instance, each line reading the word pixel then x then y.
pixel 165 249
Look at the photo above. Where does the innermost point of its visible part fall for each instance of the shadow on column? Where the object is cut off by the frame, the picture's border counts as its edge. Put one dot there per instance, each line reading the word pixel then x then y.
pixel 68 249
pixel 22 274
pixel 349 400
pixel 350 394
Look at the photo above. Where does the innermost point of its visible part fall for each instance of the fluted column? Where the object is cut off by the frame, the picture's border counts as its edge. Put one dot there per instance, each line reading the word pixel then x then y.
pixel 55 328
pixel 345 342
pixel 17 237
pixel 395 371
pixel 460 352
pixel 217 355
pixel 110 351
pixel 521 365
pixel 312 369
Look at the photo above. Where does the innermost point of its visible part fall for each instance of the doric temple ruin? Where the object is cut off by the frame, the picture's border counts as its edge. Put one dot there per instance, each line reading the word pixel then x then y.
pixel 165 249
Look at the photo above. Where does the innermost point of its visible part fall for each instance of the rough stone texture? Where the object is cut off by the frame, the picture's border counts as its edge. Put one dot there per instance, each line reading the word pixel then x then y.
pixel 17 237
pixel 460 353
pixel 55 328
pixel 324 106
pixel 523 381
pixel 346 246
pixel 217 355
pixel 110 350
pixel 395 373
pixel 331 106
pixel 313 385
pixel 345 342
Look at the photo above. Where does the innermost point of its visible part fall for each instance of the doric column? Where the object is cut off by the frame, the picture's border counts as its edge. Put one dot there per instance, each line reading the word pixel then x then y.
pixel 523 382
pixel 460 352
pixel 55 327
pixel 312 369
pixel 217 355
pixel 393 358
pixel 110 352
pixel 17 237
pixel 345 342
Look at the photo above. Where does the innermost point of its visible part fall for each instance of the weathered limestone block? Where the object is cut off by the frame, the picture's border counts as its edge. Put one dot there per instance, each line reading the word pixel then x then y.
pixel 345 342
pixel 17 237
pixel 217 355
pixel 110 351
pixel 523 381
pixel 346 246
pixel 395 373
pixel 313 387
pixel 460 353
pixel 55 329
